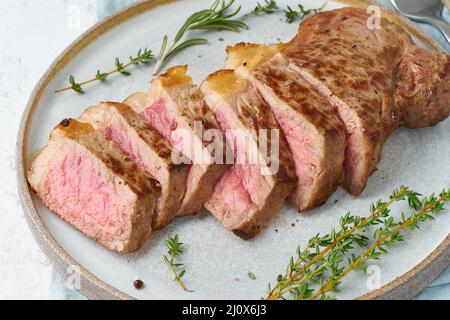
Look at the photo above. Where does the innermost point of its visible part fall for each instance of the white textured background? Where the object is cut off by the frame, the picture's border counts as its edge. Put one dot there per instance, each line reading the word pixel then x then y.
pixel 32 34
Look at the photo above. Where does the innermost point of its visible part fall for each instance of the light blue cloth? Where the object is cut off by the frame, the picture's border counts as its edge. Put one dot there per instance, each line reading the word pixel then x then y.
pixel 107 7
pixel 439 289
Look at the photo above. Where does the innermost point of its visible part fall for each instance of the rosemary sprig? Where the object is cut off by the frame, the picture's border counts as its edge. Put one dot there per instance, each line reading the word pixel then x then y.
pixel 218 17
pixel 383 237
pixel 177 269
pixel 268 7
pixel 143 56
pixel 325 254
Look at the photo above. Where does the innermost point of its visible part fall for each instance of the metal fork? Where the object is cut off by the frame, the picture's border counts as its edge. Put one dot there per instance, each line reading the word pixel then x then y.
pixel 428 11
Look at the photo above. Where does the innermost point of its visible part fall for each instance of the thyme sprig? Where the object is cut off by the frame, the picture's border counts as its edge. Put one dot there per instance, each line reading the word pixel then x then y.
pixel 385 236
pixel 299 269
pixel 324 255
pixel 143 56
pixel 292 15
pixel 218 17
pixel 174 247
pixel 268 7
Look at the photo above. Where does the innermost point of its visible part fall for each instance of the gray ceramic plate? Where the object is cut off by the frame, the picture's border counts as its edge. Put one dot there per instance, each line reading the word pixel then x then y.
pixel 218 262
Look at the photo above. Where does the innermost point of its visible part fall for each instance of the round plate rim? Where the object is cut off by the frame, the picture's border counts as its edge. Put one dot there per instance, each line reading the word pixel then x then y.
pixel 404 287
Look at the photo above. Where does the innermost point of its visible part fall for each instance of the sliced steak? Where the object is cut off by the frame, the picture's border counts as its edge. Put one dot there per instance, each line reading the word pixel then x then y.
pixel 88 182
pixel 354 67
pixel 314 131
pixel 175 107
pixel 149 149
pixel 255 188
pixel 376 78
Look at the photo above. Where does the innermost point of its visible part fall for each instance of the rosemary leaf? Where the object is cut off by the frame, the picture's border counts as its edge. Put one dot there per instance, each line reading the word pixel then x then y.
pixel 218 17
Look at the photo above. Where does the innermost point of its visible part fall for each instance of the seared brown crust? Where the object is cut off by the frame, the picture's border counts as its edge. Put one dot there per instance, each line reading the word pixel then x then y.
pixel 301 97
pixel 253 114
pixel 172 177
pixel 357 65
pixel 141 224
pixel 250 55
pixel 205 188
pixel 253 226
pixel 236 97
pixel 354 65
pixel 118 162
pixel 140 183
pixel 156 141
pixel 423 87
pixel 177 86
pixel 296 94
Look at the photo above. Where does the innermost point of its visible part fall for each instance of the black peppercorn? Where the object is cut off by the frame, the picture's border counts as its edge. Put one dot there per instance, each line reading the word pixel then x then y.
pixel 138 284
pixel 65 123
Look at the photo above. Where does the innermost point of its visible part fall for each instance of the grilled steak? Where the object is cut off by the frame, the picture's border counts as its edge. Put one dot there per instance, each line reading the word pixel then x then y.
pixel 150 150
pixel 337 91
pixel 255 188
pixel 354 68
pixel 376 80
pixel 87 181
pixel 175 107
pixel 314 131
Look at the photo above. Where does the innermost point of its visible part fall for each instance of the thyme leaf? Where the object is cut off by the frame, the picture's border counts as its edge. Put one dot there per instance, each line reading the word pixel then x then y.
pixel 143 56
pixel 174 250
pixel 219 16
pixel 268 7
pixel 292 15
pixel 319 269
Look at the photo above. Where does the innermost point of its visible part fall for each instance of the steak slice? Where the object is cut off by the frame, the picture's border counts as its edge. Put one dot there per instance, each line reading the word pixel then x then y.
pixel 313 129
pixel 175 107
pixel 255 188
pixel 354 67
pixel 149 149
pixel 88 182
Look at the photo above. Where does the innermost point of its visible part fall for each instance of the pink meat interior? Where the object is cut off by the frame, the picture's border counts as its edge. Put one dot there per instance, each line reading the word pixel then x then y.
pixel 302 142
pixel 117 132
pixel 159 118
pixel 354 164
pixel 162 118
pixel 243 186
pixel 78 189
pixel 129 142
pixel 302 145
pixel 230 200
